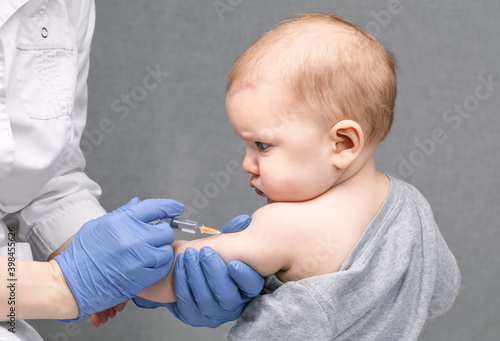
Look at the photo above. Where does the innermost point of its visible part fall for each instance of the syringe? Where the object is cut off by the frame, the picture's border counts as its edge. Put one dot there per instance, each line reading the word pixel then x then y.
pixel 186 226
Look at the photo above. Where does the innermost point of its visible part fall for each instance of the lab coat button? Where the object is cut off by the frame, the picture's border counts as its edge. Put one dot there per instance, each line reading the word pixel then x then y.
pixel 45 33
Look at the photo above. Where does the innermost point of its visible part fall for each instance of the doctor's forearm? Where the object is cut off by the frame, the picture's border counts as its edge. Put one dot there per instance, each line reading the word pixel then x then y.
pixel 37 290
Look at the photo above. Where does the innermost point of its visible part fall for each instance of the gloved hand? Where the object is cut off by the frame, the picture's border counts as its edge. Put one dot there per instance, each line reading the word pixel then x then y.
pixel 208 292
pixel 237 224
pixel 116 256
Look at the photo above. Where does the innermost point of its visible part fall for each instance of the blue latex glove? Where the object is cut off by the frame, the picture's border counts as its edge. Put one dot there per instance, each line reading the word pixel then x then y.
pixel 237 224
pixel 116 256
pixel 208 292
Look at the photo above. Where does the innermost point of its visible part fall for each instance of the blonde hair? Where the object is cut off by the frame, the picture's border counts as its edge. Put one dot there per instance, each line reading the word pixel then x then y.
pixel 333 67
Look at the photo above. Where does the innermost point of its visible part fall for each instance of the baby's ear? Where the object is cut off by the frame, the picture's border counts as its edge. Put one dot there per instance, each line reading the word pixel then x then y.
pixel 348 141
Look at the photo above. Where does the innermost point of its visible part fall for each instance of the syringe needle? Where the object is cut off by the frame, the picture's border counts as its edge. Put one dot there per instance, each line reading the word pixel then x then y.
pixel 208 230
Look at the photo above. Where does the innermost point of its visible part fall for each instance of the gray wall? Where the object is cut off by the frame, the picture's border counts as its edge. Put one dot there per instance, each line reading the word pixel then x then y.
pixel 170 137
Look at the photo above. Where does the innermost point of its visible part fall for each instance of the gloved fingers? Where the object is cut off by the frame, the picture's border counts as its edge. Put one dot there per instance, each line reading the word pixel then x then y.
pixel 153 209
pixel 132 201
pixel 174 309
pixel 157 235
pixel 181 284
pixel 204 298
pixel 145 304
pixel 247 279
pixel 186 307
pixel 192 316
pixel 154 257
pixel 111 259
pixel 222 286
pixel 237 224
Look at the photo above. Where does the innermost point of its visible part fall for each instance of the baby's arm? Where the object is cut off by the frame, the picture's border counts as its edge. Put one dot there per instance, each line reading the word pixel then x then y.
pixel 263 245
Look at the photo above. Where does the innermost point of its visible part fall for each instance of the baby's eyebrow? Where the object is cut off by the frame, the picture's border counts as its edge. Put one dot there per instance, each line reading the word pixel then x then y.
pixel 247 135
pixel 257 138
pixel 263 135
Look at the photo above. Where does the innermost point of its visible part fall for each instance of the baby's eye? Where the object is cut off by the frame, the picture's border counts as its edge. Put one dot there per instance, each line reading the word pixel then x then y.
pixel 262 145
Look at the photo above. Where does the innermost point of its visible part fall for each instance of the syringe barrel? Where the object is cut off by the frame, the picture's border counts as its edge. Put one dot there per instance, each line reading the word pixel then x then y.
pixel 184 225
pixel 179 224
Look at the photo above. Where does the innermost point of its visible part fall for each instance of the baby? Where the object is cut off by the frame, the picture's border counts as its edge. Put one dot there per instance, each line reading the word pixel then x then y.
pixel 353 253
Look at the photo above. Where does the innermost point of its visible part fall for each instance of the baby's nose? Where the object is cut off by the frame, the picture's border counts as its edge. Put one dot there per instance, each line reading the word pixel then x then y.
pixel 250 164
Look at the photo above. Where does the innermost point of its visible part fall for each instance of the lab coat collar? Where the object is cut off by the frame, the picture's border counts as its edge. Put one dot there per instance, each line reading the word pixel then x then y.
pixel 9 7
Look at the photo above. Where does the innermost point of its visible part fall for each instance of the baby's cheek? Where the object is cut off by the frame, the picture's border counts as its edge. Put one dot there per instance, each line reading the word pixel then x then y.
pixel 280 189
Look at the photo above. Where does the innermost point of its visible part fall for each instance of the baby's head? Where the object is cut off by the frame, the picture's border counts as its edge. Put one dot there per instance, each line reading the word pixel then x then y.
pixel 316 69
pixel 333 69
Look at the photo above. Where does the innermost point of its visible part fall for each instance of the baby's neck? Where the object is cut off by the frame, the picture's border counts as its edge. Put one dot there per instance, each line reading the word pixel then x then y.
pixel 365 177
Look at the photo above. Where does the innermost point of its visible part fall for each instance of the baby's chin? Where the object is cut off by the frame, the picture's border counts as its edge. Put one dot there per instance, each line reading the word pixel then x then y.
pixel 302 198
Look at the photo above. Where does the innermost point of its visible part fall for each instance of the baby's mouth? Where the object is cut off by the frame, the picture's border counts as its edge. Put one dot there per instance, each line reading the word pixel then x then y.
pixel 258 191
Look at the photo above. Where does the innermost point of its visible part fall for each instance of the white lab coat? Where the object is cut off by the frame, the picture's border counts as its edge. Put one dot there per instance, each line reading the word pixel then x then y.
pixel 44 62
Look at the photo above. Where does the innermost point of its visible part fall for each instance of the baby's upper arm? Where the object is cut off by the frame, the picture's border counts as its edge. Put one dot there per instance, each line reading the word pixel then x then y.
pixel 262 245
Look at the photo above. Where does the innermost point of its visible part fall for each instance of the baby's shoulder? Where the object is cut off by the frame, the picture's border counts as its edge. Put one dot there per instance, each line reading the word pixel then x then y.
pixel 278 209
pixel 289 216
pixel 277 215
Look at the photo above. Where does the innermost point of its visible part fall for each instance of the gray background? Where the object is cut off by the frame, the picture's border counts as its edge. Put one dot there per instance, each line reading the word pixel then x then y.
pixel 177 134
